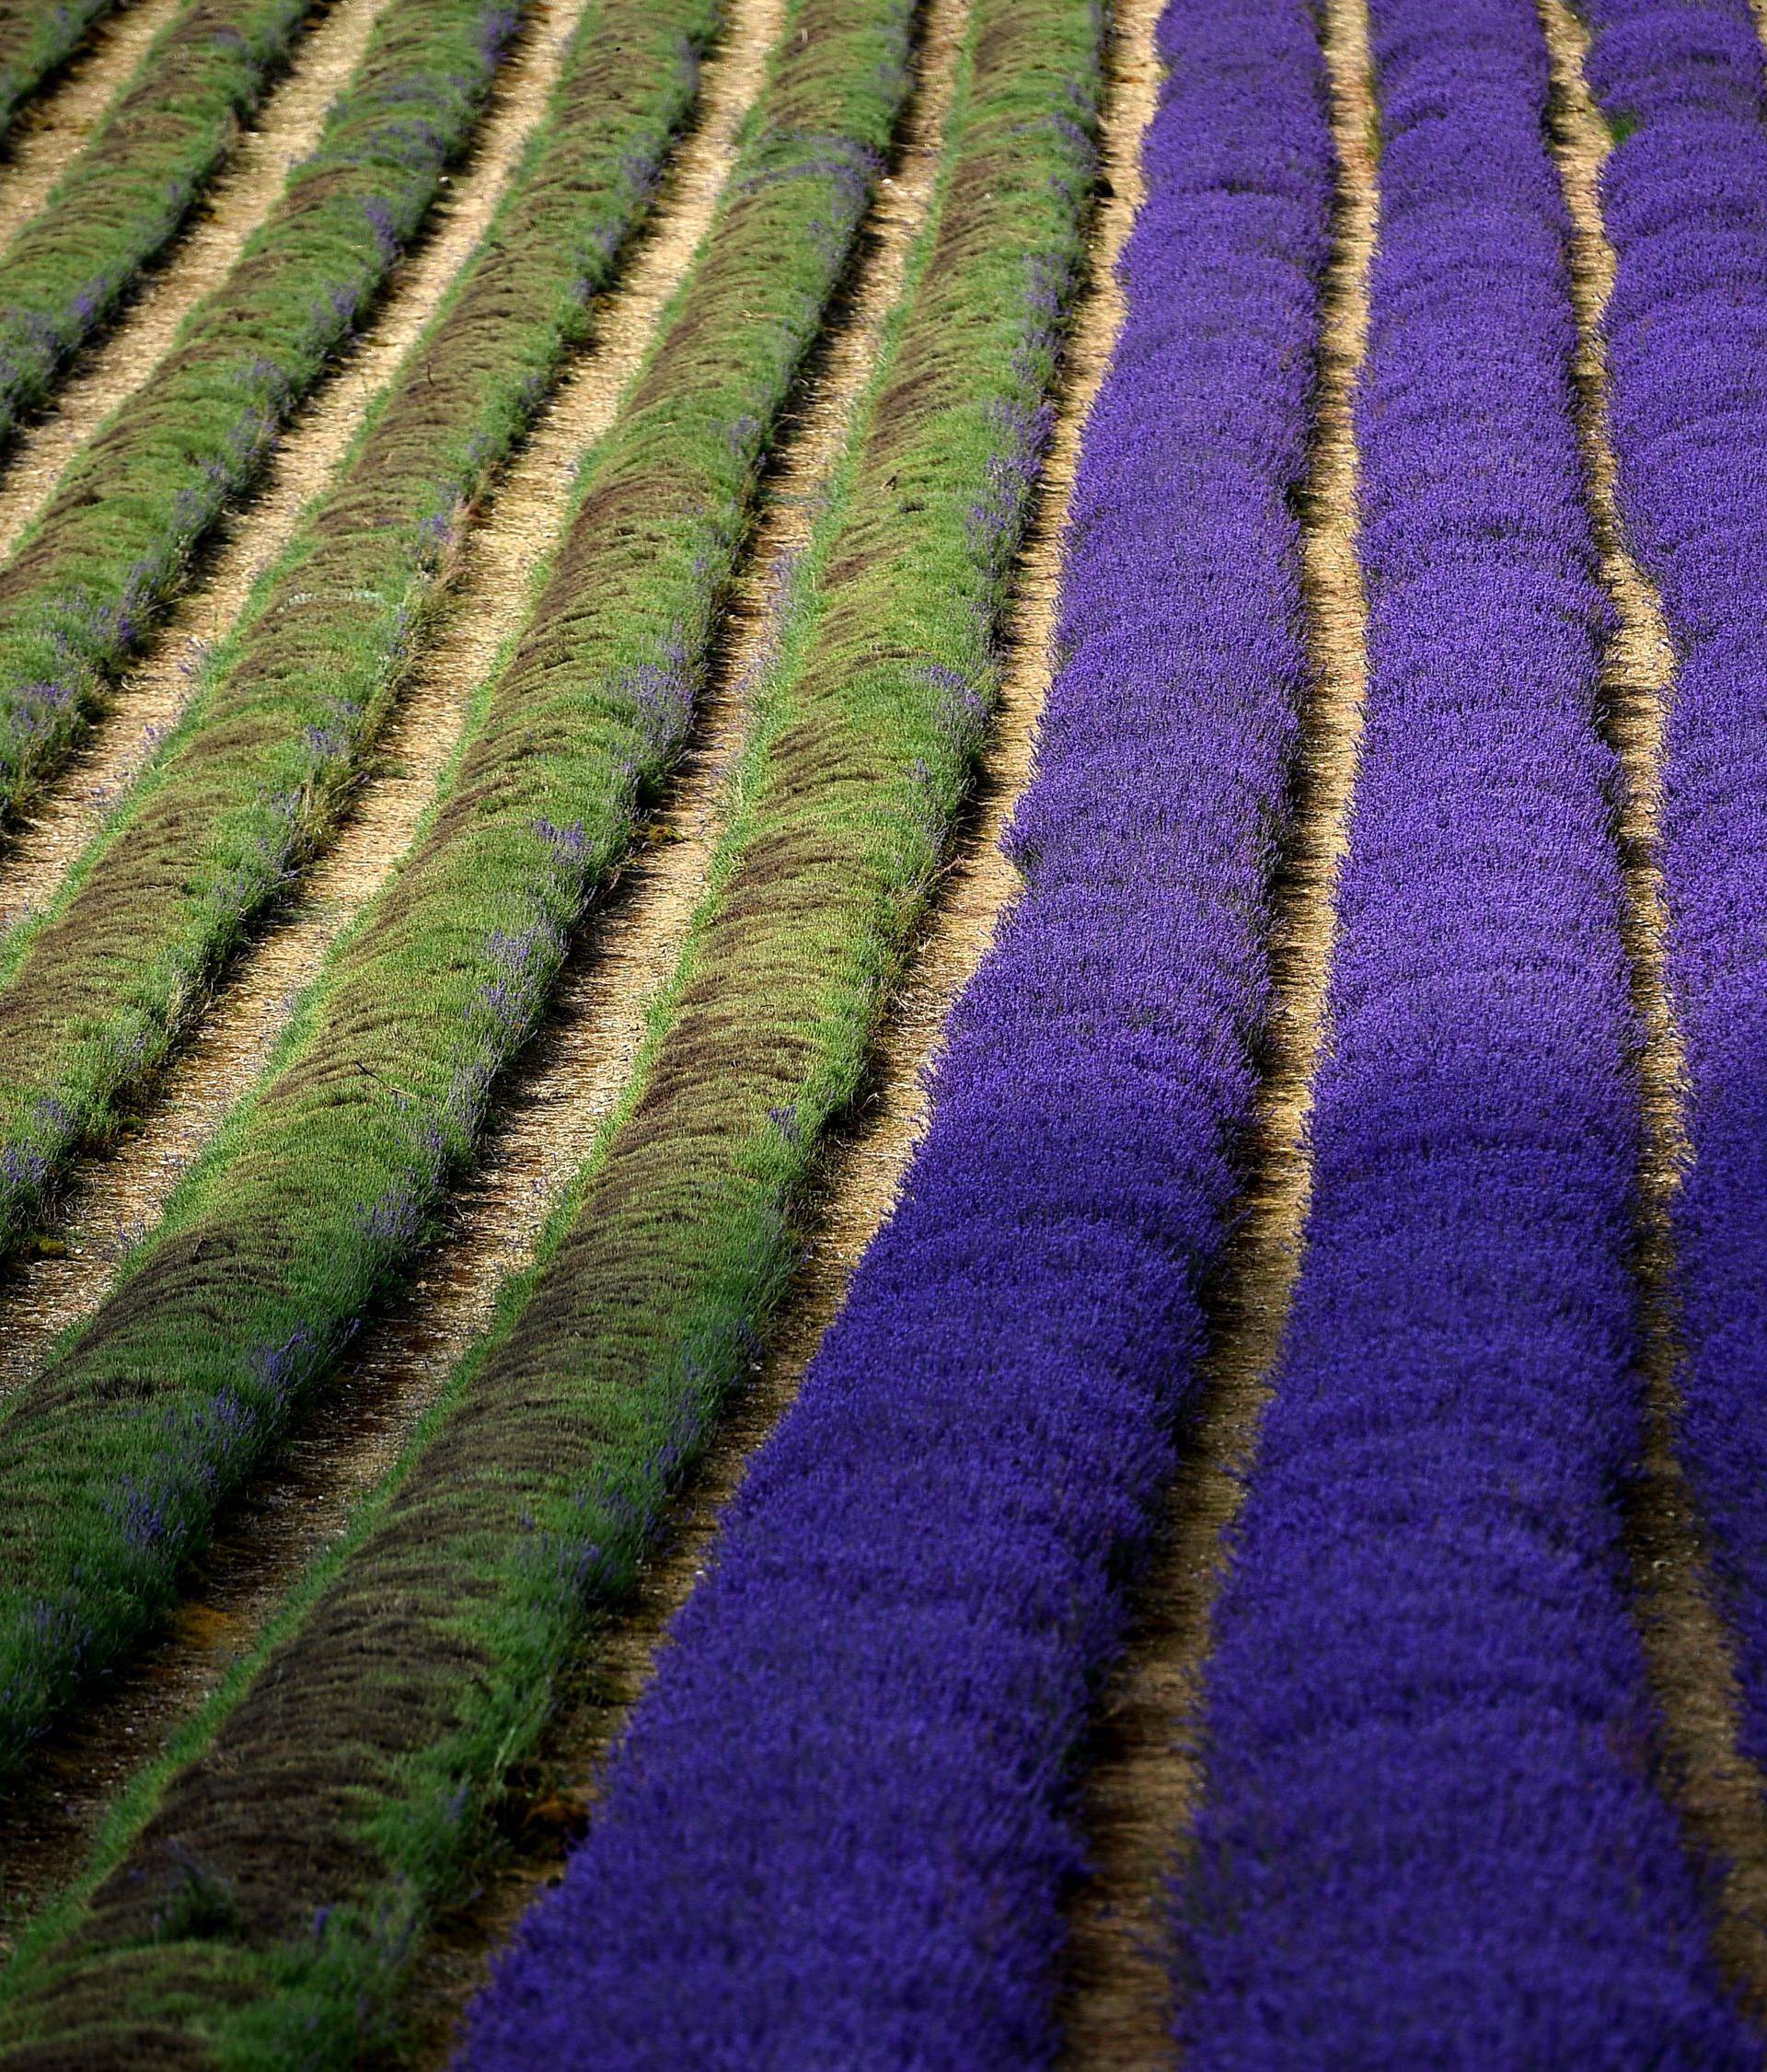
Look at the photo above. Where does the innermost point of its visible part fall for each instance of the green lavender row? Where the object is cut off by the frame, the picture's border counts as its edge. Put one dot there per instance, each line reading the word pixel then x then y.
pixel 314 1194
pixel 35 41
pixel 271 1878
pixel 96 567
pixel 125 196
pixel 288 706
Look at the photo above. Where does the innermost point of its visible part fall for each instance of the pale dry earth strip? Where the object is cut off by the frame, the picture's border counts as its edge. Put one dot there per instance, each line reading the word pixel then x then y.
pixel 121 1194
pixel 1143 1784
pixel 545 1125
pixel 286 129
pixel 151 696
pixel 1717 1791
pixel 50 131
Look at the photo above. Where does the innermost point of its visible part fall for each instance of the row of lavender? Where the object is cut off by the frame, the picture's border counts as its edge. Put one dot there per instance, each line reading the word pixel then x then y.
pixel 840 1826
pixel 839 1829
pixel 1686 195
pixel 1430 1835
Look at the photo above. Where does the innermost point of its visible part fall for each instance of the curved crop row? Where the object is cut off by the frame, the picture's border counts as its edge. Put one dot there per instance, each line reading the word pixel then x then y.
pixel 289 704
pixel 892 1657
pixel 1686 196
pixel 428 1653
pixel 1430 1834
pixel 95 567
pixel 316 1191
pixel 120 202
pixel 34 40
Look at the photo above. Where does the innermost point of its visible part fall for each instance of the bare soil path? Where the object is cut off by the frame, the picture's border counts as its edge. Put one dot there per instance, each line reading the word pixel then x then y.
pixel 287 128
pixel 1720 1794
pixel 1144 1776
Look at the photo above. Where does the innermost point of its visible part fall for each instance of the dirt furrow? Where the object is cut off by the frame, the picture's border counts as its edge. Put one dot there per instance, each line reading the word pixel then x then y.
pixel 152 696
pixel 286 129
pixel 1144 1775
pixel 551 1112
pixel 1719 1792
pixel 50 133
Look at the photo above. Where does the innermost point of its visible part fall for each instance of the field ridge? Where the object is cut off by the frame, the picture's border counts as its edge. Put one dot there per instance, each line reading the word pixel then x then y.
pixel 151 696
pixel 52 130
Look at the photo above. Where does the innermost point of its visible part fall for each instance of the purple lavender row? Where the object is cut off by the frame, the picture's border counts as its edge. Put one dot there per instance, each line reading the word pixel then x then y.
pixel 1430 1834
pixel 839 1831
pixel 1686 195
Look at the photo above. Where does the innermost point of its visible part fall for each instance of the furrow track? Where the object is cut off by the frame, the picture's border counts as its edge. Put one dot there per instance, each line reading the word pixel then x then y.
pixel 286 129
pixel 1719 1793
pixel 551 1112
pixel 1143 1775
pixel 151 696
pixel 50 132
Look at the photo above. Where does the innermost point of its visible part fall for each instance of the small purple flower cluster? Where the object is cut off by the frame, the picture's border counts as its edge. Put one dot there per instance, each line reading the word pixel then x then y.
pixel 840 1827
pixel 1430 1831
pixel 1686 194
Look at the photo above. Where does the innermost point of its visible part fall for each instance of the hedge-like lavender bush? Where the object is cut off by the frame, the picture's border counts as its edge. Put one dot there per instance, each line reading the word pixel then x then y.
pixel 839 1829
pixel 1431 1835
pixel 1686 194
pixel 311 1199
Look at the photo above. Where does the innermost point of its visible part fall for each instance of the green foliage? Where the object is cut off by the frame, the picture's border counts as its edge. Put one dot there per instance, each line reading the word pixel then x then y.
pixel 35 43
pixel 120 202
pixel 289 705
pixel 315 1192
pixel 95 568
pixel 425 1656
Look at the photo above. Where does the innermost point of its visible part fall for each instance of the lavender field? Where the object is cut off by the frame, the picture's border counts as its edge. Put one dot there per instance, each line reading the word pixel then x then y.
pixel 883 1035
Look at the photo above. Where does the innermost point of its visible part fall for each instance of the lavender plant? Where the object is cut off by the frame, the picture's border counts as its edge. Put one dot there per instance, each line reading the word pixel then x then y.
pixel 95 568
pixel 518 1520
pixel 35 43
pixel 1431 1831
pixel 288 706
pixel 287 1227
pixel 922 1576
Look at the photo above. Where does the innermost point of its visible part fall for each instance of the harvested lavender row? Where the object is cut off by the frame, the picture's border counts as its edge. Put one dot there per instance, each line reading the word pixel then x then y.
pixel 97 567
pixel 1686 193
pixel 1430 1835
pixel 892 1657
pixel 123 199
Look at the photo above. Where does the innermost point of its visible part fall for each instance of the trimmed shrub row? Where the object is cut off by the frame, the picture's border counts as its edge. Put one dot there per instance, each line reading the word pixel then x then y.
pixel 426 1657
pixel 839 1827
pixel 1686 197
pixel 316 1193
pixel 289 705
pixel 1430 1831
pixel 95 568
pixel 35 41
pixel 122 200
